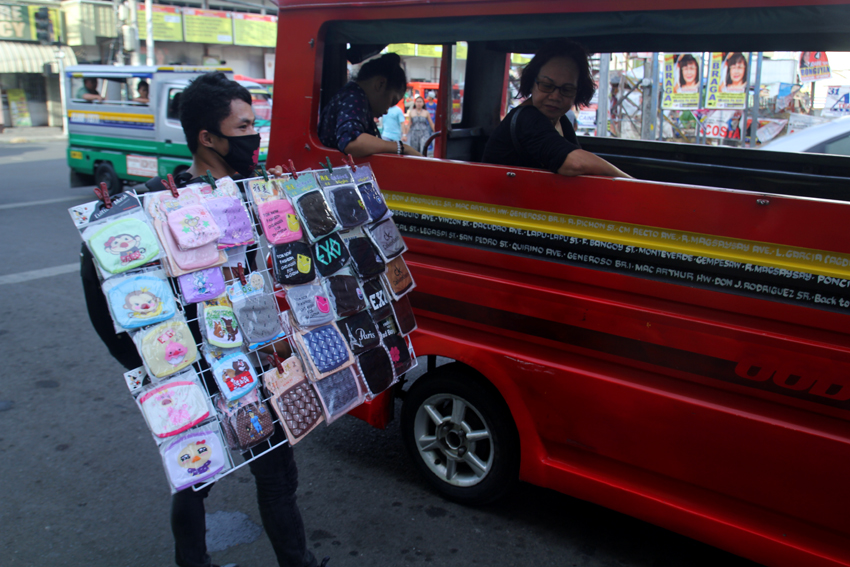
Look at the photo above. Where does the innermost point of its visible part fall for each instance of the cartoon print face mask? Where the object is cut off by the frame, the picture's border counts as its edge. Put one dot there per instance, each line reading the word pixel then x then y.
pixel 234 376
pixel 201 285
pixel 193 226
pixel 246 421
pixel 174 406
pixel 219 324
pixel 194 457
pixel 122 245
pixel 140 301
pixel 167 348
pixel 233 220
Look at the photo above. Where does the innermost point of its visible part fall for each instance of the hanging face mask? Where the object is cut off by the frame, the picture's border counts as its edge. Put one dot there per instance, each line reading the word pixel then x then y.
pixel 244 153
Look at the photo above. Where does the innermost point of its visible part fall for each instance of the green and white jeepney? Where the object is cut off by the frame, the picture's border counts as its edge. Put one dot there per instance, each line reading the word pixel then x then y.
pixel 121 138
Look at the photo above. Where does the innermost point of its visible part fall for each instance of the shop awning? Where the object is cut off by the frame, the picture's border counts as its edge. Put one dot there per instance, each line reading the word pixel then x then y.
pixel 20 57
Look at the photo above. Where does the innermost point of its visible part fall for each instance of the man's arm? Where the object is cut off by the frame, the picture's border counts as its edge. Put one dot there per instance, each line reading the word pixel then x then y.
pixel 367 145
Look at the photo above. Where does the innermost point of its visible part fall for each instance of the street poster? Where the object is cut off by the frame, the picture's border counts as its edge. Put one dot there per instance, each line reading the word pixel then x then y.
pixel 728 79
pixel 207 26
pixel 254 30
pixel 837 101
pixel 797 122
pixel 167 23
pixel 814 66
pixel 682 80
pixel 18 109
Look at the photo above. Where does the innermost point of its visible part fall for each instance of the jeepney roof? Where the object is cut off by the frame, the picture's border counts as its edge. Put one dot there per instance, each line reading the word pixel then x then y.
pixel 602 25
pixel 139 71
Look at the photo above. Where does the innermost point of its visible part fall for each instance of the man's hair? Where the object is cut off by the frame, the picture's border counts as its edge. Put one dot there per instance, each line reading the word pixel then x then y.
pixel 206 102
pixel 569 50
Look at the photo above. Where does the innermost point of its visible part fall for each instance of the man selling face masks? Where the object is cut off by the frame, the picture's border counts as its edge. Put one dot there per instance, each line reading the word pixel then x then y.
pixel 221 137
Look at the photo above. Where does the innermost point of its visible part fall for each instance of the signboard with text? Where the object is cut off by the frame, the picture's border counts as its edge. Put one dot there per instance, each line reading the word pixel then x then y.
pixel 17 23
pixel 254 30
pixel 207 26
pixel 837 101
pixel 167 23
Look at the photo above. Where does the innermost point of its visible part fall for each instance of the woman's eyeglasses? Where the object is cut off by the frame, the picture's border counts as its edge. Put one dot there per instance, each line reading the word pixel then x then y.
pixel 567 91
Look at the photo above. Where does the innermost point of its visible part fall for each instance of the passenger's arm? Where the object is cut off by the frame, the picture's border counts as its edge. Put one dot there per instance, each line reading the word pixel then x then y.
pixel 581 162
pixel 367 145
pixel 92 97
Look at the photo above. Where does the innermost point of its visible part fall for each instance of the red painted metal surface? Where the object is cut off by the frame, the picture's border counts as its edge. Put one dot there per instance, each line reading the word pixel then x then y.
pixel 713 414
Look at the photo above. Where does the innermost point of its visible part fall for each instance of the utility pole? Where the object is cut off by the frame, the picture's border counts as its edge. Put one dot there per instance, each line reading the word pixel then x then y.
pixel 602 97
pixel 149 27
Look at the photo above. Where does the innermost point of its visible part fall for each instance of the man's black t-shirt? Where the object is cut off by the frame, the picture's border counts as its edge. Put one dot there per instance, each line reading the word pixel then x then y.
pixel 120 345
pixel 540 144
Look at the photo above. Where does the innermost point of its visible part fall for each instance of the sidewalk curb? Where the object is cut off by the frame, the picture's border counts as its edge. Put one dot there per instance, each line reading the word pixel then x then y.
pixel 30 139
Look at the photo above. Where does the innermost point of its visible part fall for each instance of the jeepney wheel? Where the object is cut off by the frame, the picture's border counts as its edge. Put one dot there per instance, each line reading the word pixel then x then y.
pixel 105 173
pixel 460 434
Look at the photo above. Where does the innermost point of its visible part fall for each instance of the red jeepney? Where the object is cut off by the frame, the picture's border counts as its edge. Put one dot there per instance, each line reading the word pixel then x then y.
pixel 675 347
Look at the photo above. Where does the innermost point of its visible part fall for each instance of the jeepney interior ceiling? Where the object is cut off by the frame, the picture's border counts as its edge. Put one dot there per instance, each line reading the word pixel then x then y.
pixel 792 28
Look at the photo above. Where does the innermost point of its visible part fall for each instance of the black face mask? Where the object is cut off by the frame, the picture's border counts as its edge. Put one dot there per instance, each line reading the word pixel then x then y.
pixel 243 154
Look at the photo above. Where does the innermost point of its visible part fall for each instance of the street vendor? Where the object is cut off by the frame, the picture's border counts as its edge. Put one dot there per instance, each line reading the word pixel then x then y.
pixel 218 122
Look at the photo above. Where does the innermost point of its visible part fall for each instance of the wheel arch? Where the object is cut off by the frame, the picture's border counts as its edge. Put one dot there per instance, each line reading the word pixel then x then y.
pixel 486 365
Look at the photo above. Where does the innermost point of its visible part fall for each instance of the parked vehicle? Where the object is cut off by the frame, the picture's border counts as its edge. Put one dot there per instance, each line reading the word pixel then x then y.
pixel 828 138
pixel 675 347
pixel 119 140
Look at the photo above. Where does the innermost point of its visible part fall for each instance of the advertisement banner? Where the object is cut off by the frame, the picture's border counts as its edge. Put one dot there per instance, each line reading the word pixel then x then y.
pixel 401 48
pixel 837 101
pixel 167 23
pixel 682 80
pixel 429 50
pixel 254 30
pixel 17 23
pixel 814 66
pixel 728 80
pixel 18 108
pixel 207 26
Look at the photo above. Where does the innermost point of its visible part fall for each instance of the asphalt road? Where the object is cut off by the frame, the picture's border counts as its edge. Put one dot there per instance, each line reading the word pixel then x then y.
pixel 83 485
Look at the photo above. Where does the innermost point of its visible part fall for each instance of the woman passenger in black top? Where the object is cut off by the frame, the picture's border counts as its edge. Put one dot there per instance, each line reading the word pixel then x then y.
pixel 541 136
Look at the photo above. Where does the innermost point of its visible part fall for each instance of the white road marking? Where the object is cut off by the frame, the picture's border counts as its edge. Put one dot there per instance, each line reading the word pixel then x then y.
pixel 81 198
pixel 38 274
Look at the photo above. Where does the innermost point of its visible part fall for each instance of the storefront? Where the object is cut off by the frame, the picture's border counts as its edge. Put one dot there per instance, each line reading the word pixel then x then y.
pixel 29 71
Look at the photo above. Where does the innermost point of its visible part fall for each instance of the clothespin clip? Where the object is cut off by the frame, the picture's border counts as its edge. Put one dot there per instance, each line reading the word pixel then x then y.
pixel 240 271
pixel 292 170
pixel 275 360
pixel 262 169
pixel 103 194
pixel 349 159
pixel 211 179
pixel 172 186
pixel 327 165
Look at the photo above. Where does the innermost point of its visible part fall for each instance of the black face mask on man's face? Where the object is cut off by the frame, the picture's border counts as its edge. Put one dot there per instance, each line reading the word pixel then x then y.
pixel 243 154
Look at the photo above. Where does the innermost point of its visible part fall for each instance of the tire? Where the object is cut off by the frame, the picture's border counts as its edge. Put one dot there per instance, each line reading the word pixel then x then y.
pixel 105 173
pixel 440 412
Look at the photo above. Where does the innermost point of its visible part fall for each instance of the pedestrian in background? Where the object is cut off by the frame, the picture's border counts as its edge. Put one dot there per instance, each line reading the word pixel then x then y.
pixel 393 122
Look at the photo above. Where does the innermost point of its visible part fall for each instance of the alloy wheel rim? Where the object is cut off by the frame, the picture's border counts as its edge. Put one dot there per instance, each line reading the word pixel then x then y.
pixel 454 440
